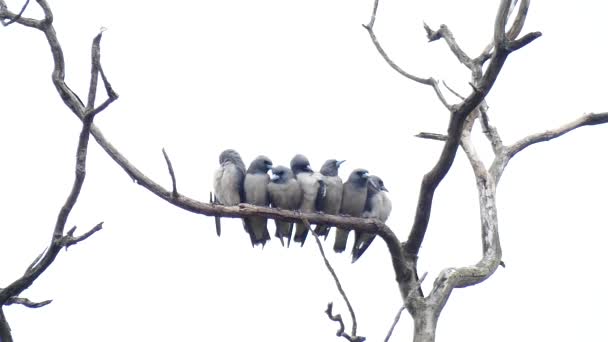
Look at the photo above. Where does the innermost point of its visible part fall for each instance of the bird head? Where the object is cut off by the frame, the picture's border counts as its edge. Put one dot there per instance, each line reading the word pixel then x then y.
pixel 299 163
pixel 330 167
pixel 261 164
pixel 231 156
pixel 281 174
pixel 359 176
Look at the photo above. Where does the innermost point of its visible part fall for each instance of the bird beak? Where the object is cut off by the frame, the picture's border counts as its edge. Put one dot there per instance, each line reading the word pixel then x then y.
pixel 339 162
pixel 365 175
pixel 274 177
pixel 269 167
pixel 384 188
pixel 308 168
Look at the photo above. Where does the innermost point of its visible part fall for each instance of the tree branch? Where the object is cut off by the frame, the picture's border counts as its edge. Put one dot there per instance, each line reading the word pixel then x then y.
pixel 335 277
pixel 340 332
pixel 432 179
pixel 27 303
pixel 427 81
pixel 58 240
pixel 171 173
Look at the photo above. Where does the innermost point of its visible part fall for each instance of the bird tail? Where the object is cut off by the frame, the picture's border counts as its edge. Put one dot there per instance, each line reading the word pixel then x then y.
pixel 322 230
pixel 301 233
pixel 362 242
pixel 257 228
pixel 218 224
pixel 341 239
pixel 283 230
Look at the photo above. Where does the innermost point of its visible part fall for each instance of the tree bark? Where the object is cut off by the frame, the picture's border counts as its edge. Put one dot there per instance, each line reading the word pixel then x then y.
pixel 425 325
pixel 5 329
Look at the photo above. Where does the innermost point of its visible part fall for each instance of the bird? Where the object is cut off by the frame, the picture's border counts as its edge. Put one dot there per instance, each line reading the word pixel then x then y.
pixel 354 194
pixel 285 193
pixel 378 206
pixel 313 190
pixel 333 192
pixel 228 182
pixel 256 193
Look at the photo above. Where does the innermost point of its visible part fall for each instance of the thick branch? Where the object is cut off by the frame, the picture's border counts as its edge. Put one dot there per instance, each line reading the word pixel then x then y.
pixel 58 240
pixel 432 179
pixel 466 276
pixel 5 329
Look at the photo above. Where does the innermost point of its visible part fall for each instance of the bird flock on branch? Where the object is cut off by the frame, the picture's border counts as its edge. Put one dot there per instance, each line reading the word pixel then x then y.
pixel 300 188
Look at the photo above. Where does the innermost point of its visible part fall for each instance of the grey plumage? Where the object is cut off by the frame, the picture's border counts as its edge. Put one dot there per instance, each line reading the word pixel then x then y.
pixel 354 194
pixel 331 202
pixel 378 206
pixel 285 193
pixel 228 181
pixel 313 190
pixel 256 193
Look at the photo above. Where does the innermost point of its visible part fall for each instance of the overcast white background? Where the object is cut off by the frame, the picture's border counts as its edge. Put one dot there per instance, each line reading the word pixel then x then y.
pixel 280 77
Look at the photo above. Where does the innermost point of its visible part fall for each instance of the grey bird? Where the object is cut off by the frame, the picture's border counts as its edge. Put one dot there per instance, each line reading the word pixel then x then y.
pixel 256 193
pixel 330 204
pixel 313 191
pixel 354 195
pixel 285 193
pixel 228 182
pixel 378 206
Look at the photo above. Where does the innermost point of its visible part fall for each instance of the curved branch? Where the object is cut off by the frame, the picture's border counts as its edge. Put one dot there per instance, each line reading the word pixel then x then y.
pixel 502 159
pixel 466 276
pixel 336 280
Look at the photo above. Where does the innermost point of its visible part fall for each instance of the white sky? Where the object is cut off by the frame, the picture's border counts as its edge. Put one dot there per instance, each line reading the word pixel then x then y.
pixel 282 77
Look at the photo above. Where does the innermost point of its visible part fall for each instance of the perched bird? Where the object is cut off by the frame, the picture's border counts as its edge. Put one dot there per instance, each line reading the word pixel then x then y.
pixel 330 204
pixel 256 193
pixel 354 194
pixel 228 182
pixel 313 190
pixel 377 206
pixel 285 193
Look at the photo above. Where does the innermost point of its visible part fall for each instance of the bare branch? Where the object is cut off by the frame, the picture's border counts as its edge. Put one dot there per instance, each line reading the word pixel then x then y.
pixel 520 19
pixel 7 17
pixel 69 239
pixel 453 91
pixel 395 321
pixel 432 136
pixel 335 276
pixel 451 278
pixel 171 173
pixel 16 17
pixel 27 303
pixel 398 316
pixel 585 120
pixel 490 131
pixel 340 332
pixel 427 81
pixel 36 260
pixel 5 329
pixel 445 33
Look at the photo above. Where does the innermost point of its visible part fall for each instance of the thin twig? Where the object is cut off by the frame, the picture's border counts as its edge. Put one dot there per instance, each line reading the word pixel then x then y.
pixel 340 332
pixel 398 316
pixel 432 136
pixel 18 16
pixel 333 274
pixel 171 173
pixel 69 239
